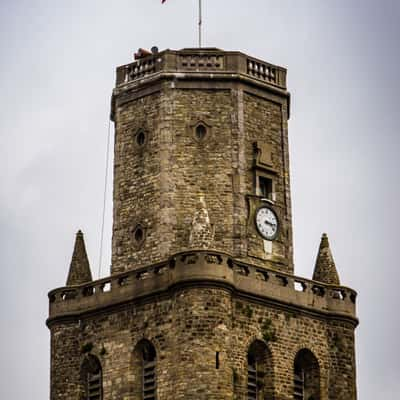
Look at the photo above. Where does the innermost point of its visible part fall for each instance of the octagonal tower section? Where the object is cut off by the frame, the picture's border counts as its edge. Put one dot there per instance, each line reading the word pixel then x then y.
pixel 200 126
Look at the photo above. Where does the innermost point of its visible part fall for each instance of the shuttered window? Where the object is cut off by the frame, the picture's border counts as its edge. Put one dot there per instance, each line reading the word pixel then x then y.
pixel 94 386
pixel 91 379
pixel 306 378
pixel 252 380
pixel 260 378
pixel 148 370
pixel 149 380
pixel 299 385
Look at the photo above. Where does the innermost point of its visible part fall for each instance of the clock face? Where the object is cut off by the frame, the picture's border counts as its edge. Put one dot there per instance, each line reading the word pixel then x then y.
pixel 267 223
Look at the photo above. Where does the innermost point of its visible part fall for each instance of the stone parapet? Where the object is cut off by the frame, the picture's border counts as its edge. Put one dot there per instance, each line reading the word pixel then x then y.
pixel 199 61
pixel 202 267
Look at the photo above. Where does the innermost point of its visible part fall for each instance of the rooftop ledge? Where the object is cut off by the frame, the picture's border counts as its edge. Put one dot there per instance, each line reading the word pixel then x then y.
pixel 204 267
pixel 200 61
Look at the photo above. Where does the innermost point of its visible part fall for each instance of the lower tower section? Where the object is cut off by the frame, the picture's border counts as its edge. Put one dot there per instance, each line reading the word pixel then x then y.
pixel 203 326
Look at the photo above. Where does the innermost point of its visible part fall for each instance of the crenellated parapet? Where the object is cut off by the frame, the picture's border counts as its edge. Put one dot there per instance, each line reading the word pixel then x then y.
pixel 201 267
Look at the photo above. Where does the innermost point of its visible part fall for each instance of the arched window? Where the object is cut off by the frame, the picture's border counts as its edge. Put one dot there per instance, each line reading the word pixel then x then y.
pixel 260 382
pixel 92 378
pixel 306 376
pixel 145 361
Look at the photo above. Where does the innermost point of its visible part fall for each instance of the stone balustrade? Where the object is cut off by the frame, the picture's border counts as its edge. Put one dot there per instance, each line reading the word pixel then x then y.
pixel 210 267
pixel 200 61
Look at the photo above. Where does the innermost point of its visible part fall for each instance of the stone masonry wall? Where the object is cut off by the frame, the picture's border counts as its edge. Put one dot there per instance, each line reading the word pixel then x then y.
pixel 188 326
pixel 141 195
pixel 203 167
pixel 265 121
pixel 65 361
pixel 342 360
pixel 157 186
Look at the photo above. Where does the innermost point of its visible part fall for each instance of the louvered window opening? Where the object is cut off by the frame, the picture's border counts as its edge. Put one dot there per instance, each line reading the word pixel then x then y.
pixel 94 389
pixel 299 385
pixel 149 380
pixel 252 382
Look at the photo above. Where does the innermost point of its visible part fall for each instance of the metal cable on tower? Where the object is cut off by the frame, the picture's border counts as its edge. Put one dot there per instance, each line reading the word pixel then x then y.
pixel 104 197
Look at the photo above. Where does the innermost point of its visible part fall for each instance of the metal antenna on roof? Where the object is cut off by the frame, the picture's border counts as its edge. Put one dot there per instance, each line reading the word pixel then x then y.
pixel 200 19
pixel 200 22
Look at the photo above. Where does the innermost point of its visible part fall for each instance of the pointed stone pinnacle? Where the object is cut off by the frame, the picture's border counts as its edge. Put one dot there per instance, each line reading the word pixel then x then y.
pixel 201 233
pixel 79 270
pixel 325 268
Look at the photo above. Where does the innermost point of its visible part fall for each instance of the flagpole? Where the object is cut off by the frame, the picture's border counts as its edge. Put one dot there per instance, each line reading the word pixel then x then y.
pixel 200 22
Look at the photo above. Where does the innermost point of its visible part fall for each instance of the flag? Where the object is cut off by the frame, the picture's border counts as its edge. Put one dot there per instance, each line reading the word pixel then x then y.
pixel 163 1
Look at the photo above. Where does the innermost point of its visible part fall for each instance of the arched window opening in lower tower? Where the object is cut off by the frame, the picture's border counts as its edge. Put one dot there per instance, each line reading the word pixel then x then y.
pixel 260 381
pixel 306 379
pixel 146 363
pixel 91 378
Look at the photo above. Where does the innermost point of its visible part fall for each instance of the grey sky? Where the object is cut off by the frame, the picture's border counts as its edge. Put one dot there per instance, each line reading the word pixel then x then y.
pixel 58 60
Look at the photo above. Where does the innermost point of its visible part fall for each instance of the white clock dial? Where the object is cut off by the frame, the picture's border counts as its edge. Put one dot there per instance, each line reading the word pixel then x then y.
pixel 267 223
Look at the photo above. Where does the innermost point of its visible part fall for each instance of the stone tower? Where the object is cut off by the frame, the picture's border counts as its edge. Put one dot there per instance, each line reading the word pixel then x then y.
pixel 202 301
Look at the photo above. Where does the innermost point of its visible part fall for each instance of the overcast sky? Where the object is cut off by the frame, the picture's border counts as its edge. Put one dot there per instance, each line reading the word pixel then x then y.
pixel 57 71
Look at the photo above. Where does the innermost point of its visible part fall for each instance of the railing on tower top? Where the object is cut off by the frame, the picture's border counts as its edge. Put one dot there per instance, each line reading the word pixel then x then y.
pixel 200 61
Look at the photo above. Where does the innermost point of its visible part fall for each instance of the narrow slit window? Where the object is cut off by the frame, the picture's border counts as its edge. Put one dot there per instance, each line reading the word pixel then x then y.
pixel 140 138
pixel 139 234
pixel 217 360
pixel 201 132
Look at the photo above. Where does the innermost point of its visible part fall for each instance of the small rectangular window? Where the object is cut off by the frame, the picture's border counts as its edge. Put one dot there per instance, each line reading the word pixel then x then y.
pixel 265 188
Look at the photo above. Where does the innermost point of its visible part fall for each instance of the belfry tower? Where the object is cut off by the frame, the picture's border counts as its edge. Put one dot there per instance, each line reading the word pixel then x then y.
pixel 202 301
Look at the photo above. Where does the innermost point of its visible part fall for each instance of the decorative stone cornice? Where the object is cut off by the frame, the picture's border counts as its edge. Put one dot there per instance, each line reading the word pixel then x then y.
pixel 208 65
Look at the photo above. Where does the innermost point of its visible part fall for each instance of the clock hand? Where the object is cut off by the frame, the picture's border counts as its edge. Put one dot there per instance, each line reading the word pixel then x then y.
pixel 270 223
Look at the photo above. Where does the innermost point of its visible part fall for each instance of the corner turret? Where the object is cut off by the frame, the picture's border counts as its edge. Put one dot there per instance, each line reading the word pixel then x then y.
pixel 79 270
pixel 325 269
